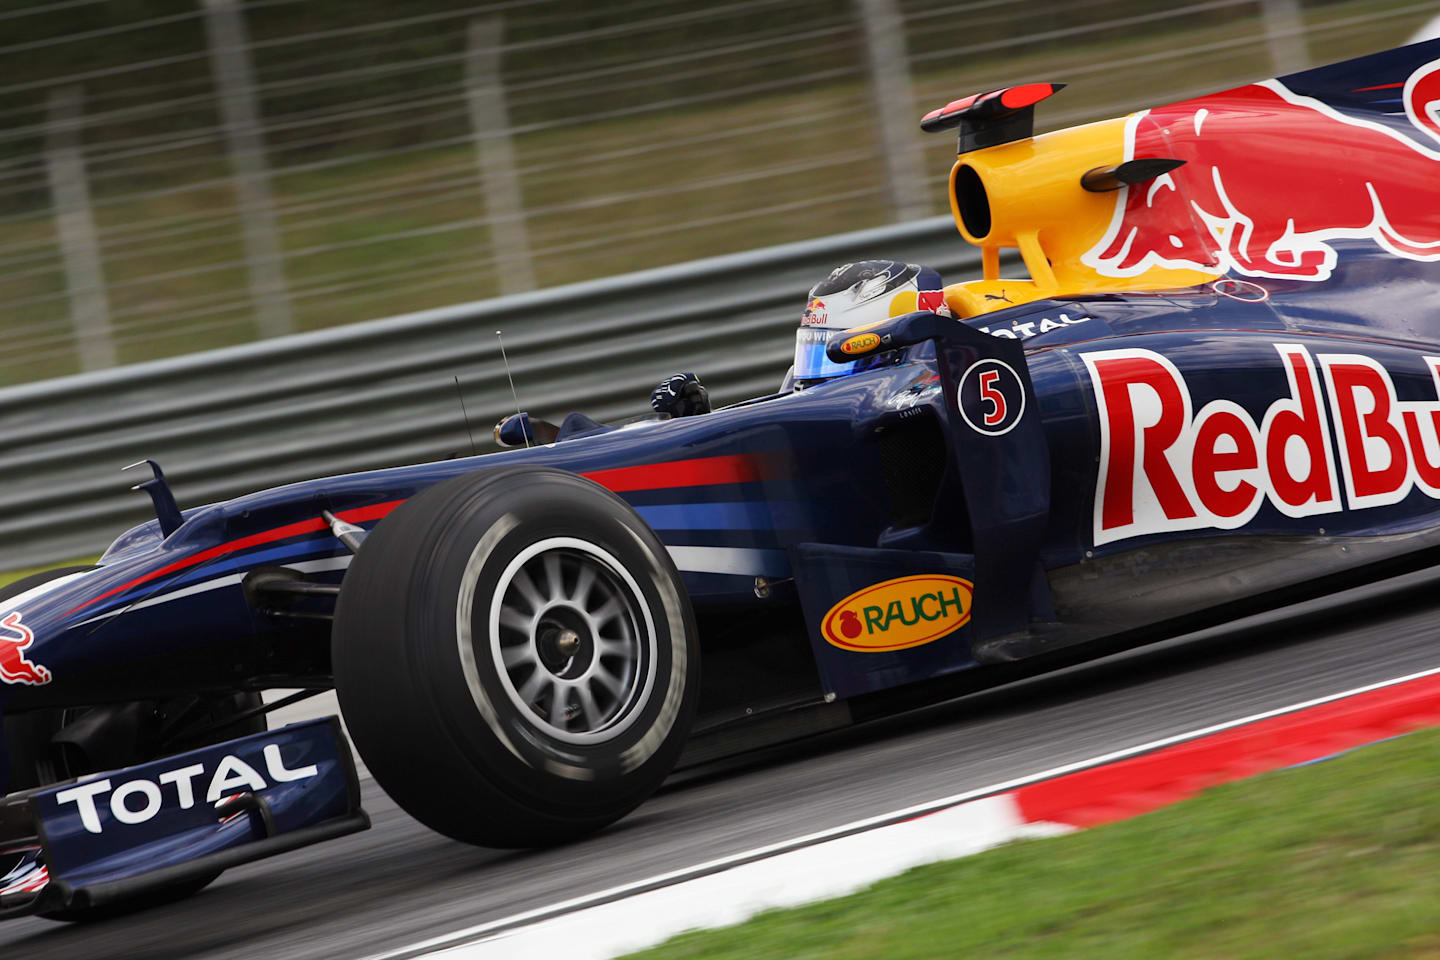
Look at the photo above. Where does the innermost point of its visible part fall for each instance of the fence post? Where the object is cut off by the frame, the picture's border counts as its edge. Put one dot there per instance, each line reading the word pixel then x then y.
pixel 79 245
pixel 895 105
pixel 235 84
pixel 1285 35
pixel 495 154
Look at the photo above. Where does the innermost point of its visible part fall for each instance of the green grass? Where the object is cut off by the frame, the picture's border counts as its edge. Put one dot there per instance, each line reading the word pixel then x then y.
pixel 8 578
pixel 603 197
pixel 1336 860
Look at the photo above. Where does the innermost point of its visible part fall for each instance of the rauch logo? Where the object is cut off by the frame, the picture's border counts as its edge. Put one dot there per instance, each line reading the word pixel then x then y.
pixel 899 614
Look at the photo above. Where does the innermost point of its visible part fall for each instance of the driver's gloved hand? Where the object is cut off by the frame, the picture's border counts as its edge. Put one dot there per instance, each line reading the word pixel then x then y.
pixel 682 395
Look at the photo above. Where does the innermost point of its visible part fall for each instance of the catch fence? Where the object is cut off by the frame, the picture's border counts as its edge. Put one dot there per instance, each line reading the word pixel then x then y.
pixel 181 175
pixel 385 392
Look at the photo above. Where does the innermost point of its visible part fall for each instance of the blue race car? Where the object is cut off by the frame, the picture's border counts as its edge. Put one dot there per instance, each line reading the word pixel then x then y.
pixel 1216 391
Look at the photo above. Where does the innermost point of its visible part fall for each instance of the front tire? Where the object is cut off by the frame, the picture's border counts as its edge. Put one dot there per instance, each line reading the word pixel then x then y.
pixel 515 657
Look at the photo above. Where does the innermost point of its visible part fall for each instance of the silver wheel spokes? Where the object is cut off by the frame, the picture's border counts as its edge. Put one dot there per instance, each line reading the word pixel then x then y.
pixel 569 641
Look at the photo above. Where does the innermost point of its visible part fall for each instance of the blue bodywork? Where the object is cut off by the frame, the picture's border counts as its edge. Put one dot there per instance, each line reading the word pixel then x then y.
pixel 779 478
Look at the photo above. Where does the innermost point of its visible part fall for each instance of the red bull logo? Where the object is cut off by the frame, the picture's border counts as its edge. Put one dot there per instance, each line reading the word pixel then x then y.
pixel 1272 179
pixel 932 300
pixel 1165 466
pixel 15 667
pixel 816 315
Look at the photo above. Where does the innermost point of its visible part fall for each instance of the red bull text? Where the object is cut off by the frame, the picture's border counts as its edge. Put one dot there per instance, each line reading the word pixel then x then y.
pixel 1166 467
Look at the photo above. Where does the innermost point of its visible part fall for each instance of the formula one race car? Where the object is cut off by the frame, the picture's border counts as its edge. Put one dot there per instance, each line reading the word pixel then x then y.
pixel 1218 390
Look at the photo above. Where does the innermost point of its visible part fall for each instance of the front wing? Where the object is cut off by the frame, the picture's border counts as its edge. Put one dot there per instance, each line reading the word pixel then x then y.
pixel 108 837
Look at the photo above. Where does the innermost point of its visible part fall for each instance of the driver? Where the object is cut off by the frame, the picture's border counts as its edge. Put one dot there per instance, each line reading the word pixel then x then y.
pixel 853 295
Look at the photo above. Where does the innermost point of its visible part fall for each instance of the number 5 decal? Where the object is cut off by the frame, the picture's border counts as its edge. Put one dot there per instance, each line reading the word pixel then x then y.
pixel 991 397
pixel 996 414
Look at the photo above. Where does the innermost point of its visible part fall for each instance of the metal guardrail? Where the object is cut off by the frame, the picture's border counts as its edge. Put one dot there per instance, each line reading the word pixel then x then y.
pixel 382 393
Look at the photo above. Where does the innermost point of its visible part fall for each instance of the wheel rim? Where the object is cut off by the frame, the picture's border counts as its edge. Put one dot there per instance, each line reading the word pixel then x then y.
pixel 572 640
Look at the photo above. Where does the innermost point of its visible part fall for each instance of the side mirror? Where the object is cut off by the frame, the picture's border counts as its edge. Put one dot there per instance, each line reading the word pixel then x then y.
pixel 522 430
pixel 906 330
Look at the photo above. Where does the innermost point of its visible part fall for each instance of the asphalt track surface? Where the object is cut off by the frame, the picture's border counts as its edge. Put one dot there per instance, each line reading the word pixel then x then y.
pixel 399 883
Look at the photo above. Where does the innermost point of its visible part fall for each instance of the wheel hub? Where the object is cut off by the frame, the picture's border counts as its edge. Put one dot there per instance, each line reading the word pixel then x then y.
pixel 568 642
pixel 564 642
pixel 571 635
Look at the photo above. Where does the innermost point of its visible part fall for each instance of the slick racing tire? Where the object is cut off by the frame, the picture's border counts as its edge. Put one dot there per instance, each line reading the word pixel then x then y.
pixel 516 657
pixel 37 759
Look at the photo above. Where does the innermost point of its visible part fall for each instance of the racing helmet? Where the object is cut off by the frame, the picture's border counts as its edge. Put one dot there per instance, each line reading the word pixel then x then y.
pixel 854 295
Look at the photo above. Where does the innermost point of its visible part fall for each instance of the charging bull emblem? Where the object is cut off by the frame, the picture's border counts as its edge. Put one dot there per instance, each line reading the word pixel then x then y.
pixel 15 667
pixel 1271 178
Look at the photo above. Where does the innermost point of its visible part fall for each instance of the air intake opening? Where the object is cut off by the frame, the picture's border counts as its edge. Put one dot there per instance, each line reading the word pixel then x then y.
pixel 972 202
pixel 913 457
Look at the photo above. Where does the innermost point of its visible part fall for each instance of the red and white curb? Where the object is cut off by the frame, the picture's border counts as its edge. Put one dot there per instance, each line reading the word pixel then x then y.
pixel 835 862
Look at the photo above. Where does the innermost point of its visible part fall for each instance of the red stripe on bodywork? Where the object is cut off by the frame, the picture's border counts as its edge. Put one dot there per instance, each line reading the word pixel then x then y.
pixel 358 515
pixel 702 472
pixel 1383 86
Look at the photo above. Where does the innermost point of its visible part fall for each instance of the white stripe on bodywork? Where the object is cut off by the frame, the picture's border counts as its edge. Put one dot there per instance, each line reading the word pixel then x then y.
pixel 35 593
pixel 190 591
pixel 742 561
pixel 304 566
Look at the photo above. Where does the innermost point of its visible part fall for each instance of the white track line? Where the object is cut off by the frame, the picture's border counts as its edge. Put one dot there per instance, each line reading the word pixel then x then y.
pixel 822 871
pixel 525 918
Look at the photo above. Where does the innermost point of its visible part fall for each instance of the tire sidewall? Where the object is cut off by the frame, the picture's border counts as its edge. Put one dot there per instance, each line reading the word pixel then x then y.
pixel 488 531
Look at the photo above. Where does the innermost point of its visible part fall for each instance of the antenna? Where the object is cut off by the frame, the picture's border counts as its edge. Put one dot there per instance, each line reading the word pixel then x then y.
pixel 466 415
pixel 524 427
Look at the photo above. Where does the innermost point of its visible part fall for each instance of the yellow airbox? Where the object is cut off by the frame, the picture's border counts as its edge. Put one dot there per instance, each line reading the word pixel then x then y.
pixel 1026 195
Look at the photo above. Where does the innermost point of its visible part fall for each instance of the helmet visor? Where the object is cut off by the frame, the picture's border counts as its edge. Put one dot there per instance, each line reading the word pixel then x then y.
pixel 810 360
